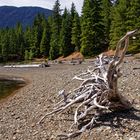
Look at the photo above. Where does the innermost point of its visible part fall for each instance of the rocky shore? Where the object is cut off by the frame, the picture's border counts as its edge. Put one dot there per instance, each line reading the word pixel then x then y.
pixel 20 112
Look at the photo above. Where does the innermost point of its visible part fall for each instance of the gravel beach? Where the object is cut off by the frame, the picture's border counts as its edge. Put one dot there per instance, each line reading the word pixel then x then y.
pixel 20 112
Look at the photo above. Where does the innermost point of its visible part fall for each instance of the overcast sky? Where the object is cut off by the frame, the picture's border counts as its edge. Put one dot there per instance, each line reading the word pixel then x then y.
pixel 43 3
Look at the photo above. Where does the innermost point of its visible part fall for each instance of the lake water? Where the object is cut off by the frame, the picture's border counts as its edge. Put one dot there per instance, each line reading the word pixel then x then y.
pixel 8 86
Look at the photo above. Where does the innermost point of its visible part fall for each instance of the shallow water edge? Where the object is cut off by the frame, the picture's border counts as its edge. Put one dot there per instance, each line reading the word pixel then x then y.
pixel 9 84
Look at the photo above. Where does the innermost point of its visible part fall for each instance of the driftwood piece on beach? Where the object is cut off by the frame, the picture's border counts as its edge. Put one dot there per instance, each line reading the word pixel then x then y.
pixel 42 65
pixel 98 91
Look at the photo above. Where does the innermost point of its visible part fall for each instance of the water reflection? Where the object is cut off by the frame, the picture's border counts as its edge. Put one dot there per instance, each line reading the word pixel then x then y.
pixel 7 86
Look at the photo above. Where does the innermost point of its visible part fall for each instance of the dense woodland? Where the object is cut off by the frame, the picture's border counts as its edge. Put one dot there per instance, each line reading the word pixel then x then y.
pixel 97 29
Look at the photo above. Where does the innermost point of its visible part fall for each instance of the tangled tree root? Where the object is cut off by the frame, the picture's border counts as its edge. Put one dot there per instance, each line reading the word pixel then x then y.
pixel 98 91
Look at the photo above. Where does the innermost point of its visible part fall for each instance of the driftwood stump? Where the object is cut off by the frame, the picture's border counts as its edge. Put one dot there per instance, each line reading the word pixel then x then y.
pixel 98 91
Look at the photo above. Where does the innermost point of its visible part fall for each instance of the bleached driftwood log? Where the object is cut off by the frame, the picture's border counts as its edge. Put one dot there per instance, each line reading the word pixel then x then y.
pixel 98 91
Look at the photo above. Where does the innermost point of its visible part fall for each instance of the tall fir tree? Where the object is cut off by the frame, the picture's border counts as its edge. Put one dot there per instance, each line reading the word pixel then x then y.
pixel 13 44
pixel 72 11
pixel 45 41
pixel 27 37
pixel 106 11
pixel 76 32
pixel 38 31
pixel 133 22
pixel 65 35
pixel 5 48
pixel 55 30
pixel 19 40
pixel 118 23
pixel 92 38
pixel 34 42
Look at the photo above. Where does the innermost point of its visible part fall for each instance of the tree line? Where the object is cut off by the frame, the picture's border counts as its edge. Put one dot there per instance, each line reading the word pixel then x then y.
pixel 97 29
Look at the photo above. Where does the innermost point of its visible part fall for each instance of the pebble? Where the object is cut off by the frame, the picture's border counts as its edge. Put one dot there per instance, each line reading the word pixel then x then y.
pixel 14 138
pixel 17 131
pixel 13 114
pixel 132 138
pixel 35 133
pixel 108 128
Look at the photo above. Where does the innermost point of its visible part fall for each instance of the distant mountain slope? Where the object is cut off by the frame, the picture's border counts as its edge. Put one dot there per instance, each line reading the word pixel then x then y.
pixel 10 15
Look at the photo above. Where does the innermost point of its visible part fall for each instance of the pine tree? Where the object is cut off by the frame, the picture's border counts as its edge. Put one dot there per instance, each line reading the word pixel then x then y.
pixel 73 11
pixel 5 45
pixel 45 41
pixel 34 42
pixel 92 38
pixel 55 30
pixel 27 37
pixel 1 45
pixel 13 45
pixel 76 32
pixel 19 40
pixel 65 35
pixel 106 11
pixel 38 26
pixel 26 56
pixel 118 24
pixel 133 22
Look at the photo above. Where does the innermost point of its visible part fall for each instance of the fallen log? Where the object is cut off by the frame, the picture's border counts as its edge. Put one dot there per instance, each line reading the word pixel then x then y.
pixel 98 91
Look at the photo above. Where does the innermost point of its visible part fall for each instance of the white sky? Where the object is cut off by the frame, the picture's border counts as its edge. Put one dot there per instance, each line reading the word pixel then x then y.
pixel 43 3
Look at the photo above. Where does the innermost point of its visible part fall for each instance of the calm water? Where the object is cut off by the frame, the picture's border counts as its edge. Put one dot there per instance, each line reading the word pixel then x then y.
pixel 8 86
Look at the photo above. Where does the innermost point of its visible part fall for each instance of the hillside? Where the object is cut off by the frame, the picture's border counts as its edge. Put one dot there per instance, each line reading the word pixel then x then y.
pixel 10 15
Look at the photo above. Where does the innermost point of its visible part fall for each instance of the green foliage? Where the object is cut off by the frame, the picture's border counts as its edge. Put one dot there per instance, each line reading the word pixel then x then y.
pixel 126 17
pixel 118 26
pixel 76 32
pixel 55 31
pixel 65 35
pixel 31 55
pixel 73 11
pixel 102 23
pixel 106 11
pixel 45 41
pixel 133 22
pixel 26 56
pixel 92 37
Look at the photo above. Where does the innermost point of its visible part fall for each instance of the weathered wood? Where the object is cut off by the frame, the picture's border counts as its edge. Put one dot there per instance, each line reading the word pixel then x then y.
pixel 98 91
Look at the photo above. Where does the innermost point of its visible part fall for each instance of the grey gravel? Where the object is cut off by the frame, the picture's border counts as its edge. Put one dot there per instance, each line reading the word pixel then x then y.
pixel 20 112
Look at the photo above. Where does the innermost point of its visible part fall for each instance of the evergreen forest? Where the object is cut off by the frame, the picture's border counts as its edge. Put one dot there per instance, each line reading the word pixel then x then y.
pixel 99 27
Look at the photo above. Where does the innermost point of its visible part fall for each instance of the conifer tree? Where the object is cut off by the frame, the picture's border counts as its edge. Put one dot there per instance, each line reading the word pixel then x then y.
pixel 38 26
pixel 133 22
pixel 27 37
pixel 19 40
pixel 106 11
pixel 65 35
pixel 92 38
pixel 72 11
pixel 13 44
pixel 76 32
pixel 55 30
pixel 5 45
pixel 118 24
pixel 26 56
pixel 45 41
pixel 34 42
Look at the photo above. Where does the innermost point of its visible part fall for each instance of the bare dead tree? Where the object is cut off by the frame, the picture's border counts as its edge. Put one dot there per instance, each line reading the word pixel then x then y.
pixel 98 91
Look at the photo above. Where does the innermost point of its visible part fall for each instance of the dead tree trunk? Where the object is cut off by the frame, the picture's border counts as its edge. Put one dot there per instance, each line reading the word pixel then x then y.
pixel 98 91
pixel 116 99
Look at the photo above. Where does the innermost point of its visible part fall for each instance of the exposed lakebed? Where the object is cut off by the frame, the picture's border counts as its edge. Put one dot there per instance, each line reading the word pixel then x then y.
pixel 9 84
